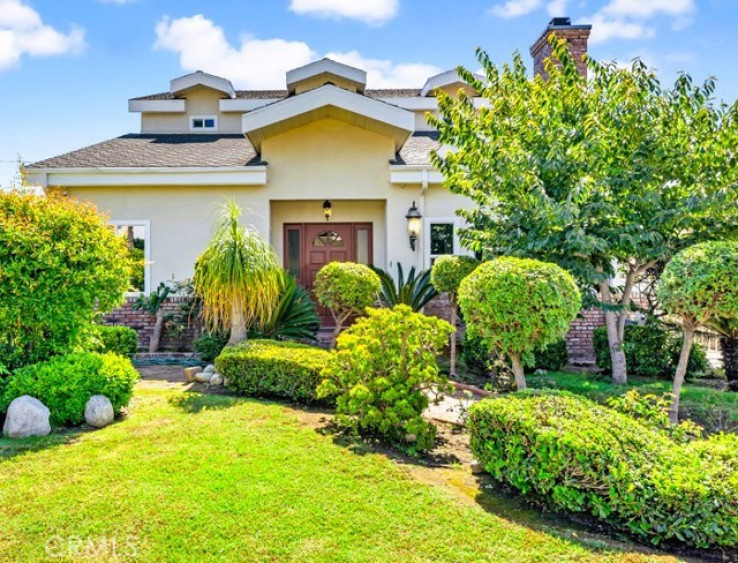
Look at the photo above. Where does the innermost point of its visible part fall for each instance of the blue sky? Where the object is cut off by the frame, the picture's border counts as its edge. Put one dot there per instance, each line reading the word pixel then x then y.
pixel 67 68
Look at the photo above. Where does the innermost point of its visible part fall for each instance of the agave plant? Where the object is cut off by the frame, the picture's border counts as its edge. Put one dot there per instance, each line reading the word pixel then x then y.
pixel 237 277
pixel 295 317
pixel 728 330
pixel 415 291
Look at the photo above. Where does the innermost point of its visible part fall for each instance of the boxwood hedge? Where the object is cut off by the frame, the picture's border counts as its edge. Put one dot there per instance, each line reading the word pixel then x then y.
pixel 583 457
pixel 269 368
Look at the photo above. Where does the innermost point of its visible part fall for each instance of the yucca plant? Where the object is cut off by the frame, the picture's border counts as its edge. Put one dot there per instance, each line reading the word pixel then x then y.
pixel 295 317
pixel 415 291
pixel 728 330
pixel 237 277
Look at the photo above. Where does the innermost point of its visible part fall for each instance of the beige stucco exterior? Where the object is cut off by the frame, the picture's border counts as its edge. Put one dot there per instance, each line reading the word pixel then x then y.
pixel 198 102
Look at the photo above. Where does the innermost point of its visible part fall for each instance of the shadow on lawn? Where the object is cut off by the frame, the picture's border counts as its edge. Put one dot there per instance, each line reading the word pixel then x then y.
pixel 11 447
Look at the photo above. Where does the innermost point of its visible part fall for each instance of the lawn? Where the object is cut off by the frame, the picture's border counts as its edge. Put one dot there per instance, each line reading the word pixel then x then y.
pixel 188 476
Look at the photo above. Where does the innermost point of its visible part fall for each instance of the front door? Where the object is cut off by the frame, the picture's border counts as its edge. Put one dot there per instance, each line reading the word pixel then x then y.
pixel 310 246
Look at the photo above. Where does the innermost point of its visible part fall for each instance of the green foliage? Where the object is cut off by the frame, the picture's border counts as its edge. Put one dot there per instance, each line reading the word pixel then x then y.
pixel 415 291
pixel 295 316
pixel 448 271
pixel 584 457
pixel 651 350
pixel 384 365
pixel 153 302
pixel 210 345
pixel 700 283
pixel 516 306
pixel 267 368
pixel 553 357
pixel 475 355
pixel 346 288
pixel 65 383
pixel 60 268
pixel 117 339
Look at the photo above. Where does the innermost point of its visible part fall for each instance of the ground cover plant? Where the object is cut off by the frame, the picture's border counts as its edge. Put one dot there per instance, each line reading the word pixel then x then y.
pixel 584 457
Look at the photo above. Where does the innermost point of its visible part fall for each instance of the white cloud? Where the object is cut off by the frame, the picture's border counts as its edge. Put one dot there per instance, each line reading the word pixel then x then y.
pixel 383 73
pixel 557 8
pixel 605 28
pixel 515 8
pixel 372 12
pixel 631 19
pixel 649 8
pixel 262 63
pixel 22 32
pixel 117 1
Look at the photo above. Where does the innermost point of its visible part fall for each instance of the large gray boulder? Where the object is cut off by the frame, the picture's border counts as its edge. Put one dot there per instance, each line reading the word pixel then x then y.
pixel 99 411
pixel 26 417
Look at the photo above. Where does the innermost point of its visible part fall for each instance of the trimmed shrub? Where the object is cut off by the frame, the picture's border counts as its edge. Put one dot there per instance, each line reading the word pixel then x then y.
pixel 117 339
pixel 516 306
pixel 553 357
pixel 384 365
pixel 65 383
pixel 268 368
pixel 583 457
pixel 210 345
pixel 475 355
pixel 651 350
pixel 60 267
pixel 346 289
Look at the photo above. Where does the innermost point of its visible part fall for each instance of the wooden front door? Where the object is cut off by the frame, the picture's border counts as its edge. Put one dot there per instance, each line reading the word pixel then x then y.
pixel 310 246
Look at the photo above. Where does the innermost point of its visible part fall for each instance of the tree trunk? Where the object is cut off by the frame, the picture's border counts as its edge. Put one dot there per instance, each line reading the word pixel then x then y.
pixel 336 334
pixel 452 353
pixel 729 347
pixel 238 325
pixel 518 372
pixel 156 334
pixel 614 342
pixel 680 373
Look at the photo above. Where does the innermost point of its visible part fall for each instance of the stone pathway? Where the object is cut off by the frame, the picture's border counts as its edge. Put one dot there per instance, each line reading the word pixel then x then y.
pixel 451 410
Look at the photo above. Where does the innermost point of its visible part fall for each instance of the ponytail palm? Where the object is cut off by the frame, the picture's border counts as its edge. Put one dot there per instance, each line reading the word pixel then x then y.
pixel 237 277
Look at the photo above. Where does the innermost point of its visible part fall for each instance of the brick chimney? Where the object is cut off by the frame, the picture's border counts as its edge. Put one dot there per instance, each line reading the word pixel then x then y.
pixel 576 35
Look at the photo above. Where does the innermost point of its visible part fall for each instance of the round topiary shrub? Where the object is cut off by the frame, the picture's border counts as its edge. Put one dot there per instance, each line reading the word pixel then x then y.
pixel 698 284
pixel 60 267
pixel 65 383
pixel 346 289
pixel 517 305
pixel 446 276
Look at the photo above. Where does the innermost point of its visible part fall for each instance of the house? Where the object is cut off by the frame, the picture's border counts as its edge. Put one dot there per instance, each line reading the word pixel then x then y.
pixel 325 169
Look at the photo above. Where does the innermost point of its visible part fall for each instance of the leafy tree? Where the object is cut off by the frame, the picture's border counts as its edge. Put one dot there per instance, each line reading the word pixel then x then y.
pixel 697 285
pixel 237 277
pixel 518 305
pixel 153 305
pixel 446 275
pixel 346 289
pixel 603 176
pixel 61 266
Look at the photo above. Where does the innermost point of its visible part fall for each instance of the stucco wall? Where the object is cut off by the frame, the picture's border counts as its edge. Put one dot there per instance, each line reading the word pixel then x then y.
pixel 199 101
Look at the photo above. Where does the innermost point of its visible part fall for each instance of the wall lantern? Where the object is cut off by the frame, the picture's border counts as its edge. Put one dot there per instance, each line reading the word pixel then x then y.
pixel 327 210
pixel 413 224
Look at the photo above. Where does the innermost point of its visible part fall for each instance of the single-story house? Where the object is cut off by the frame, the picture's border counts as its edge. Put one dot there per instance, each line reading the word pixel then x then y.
pixel 325 169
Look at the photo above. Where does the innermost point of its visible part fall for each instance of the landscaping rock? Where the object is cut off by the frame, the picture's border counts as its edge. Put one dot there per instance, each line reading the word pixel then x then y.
pixel 190 373
pixel 26 416
pixel 410 438
pixel 203 376
pixel 209 369
pixel 476 467
pixel 540 371
pixel 217 379
pixel 99 411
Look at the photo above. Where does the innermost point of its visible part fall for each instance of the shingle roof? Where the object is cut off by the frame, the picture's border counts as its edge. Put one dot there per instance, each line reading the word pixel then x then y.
pixel 143 151
pixel 275 94
pixel 417 149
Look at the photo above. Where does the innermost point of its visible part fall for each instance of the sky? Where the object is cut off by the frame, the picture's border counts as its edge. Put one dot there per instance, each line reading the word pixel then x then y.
pixel 68 67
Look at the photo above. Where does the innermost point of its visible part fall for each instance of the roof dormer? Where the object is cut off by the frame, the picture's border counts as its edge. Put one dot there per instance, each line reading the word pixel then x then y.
pixel 450 82
pixel 325 71
pixel 179 86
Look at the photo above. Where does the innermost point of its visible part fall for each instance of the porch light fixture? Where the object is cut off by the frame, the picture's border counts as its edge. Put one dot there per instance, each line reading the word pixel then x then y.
pixel 413 224
pixel 327 210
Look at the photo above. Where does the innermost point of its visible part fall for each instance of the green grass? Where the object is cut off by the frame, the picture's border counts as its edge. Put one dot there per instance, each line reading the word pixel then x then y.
pixel 189 477
pixel 707 405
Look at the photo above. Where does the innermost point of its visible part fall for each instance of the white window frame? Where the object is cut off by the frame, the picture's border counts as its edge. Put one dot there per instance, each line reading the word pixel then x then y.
pixel 427 222
pixel 203 117
pixel 146 224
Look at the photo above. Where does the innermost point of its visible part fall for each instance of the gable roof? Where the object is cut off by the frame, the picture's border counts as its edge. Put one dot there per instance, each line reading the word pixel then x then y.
pixel 279 94
pixel 151 151
pixel 327 68
pixel 417 149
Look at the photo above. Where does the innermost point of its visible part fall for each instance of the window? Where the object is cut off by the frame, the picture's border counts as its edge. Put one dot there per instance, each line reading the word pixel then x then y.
pixel 441 238
pixel 294 252
pixel 136 235
pixel 203 123
pixel 328 238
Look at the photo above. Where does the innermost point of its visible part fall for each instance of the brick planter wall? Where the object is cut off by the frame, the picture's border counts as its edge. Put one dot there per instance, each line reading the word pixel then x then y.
pixel 579 340
pixel 143 324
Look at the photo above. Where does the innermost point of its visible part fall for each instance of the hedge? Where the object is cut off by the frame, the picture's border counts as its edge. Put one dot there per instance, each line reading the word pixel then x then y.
pixel 583 457
pixel 65 383
pixel 118 339
pixel 269 368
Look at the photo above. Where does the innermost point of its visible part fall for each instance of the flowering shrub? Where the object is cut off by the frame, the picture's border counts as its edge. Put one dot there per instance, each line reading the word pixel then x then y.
pixel 384 367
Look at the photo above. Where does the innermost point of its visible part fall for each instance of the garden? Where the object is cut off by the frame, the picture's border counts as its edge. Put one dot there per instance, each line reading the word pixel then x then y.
pixel 282 449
